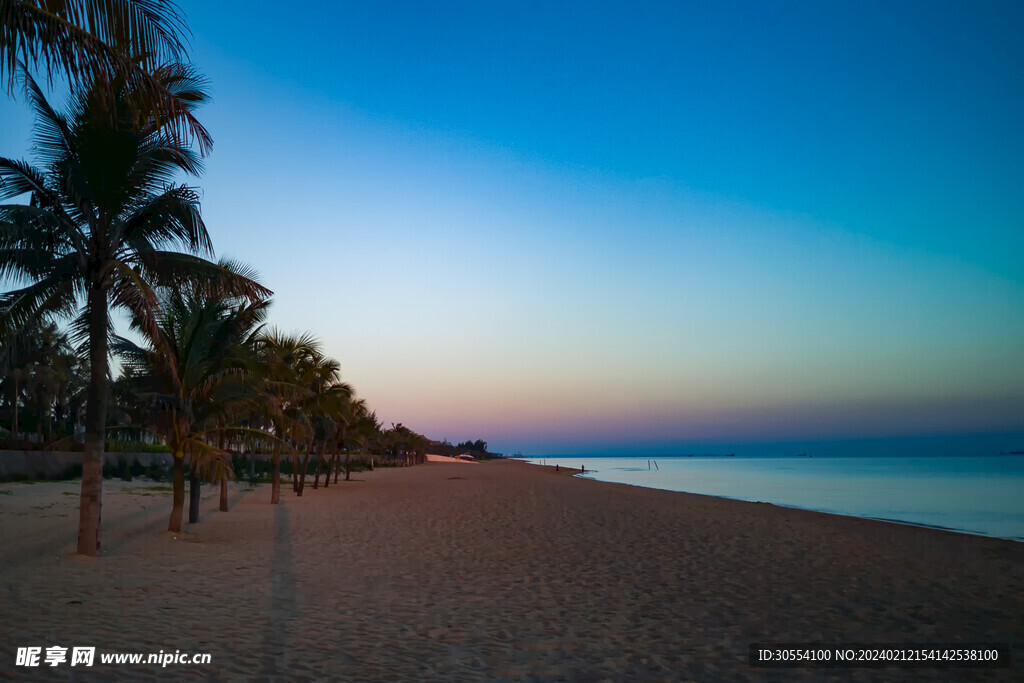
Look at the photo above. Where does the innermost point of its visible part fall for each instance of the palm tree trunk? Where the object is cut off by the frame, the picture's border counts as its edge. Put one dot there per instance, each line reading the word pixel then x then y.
pixel 329 461
pixel 179 492
pixel 305 466
pixel 322 461
pixel 348 466
pixel 193 490
pixel 319 462
pixel 223 491
pixel 14 406
pixel 95 426
pixel 295 469
pixel 221 443
pixel 275 487
pixel 330 466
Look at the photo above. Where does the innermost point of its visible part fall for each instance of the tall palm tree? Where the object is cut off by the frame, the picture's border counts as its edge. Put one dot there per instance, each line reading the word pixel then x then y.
pixel 36 363
pixel 193 374
pixel 345 416
pixel 287 360
pixel 88 40
pixel 359 426
pixel 101 229
pixel 324 407
pixel 51 369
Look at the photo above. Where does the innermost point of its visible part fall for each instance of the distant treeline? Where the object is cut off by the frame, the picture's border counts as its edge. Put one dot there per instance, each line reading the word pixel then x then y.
pixel 478 449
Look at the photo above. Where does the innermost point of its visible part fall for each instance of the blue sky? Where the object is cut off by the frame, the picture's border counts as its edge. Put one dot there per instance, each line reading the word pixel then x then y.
pixel 603 224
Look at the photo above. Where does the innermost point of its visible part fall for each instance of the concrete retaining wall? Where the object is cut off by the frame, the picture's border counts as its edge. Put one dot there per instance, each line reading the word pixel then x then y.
pixel 49 464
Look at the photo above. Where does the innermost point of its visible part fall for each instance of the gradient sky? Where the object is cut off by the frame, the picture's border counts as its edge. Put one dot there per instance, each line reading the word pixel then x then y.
pixel 601 226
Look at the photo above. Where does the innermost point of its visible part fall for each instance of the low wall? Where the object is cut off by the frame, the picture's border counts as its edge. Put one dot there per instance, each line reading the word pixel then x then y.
pixel 51 464
pixel 48 464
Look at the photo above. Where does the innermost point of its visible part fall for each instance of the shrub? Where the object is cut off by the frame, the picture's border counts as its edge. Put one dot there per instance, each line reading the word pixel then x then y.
pixel 157 471
pixel 72 471
pixel 137 469
pixel 118 446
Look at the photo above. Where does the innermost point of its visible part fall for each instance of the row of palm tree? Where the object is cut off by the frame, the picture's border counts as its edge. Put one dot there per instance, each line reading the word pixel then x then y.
pixel 107 225
pixel 210 378
pixel 41 375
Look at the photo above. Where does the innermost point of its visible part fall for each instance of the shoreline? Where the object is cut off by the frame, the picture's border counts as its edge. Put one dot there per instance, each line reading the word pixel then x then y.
pixel 902 522
pixel 892 520
pixel 935 527
pixel 498 572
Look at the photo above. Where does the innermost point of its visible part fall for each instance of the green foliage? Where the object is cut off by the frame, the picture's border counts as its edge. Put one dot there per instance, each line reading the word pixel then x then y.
pixel 119 469
pixel 127 471
pixel 158 471
pixel 478 449
pixel 72 471
pixel 117 446
pixel 241 465
pixel 361 464
pixel 479 446
pixel 264 467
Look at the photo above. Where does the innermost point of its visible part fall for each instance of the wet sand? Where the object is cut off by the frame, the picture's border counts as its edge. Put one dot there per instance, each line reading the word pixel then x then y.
pixel 500 571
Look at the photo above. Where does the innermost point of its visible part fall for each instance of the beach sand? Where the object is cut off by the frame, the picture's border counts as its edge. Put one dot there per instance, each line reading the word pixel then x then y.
pixel 500 571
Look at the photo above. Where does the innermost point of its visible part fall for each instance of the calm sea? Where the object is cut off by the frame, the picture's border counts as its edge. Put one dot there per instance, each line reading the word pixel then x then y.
pixel 978 494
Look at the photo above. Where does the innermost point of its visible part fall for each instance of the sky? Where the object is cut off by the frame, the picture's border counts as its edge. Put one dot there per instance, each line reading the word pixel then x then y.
pixel 633 226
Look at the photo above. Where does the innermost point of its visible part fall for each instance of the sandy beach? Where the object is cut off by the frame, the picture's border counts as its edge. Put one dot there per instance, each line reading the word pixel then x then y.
pixel 500 571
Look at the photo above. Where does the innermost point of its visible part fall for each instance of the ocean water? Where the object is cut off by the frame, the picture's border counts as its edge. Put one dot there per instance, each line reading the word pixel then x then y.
pixel 978 494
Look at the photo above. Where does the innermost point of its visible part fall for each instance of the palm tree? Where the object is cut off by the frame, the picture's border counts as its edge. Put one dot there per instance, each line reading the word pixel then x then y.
pixel 194 375
pixel 324 408
pixel 90 40
pixel 360 424
pixel 101 227
pixel 287 361
pixel 345 415
pixel 15 358
pixel 50 370
pixel 36 364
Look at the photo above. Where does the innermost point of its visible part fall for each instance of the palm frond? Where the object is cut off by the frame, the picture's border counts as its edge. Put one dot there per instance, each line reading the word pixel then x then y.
pixel 18 178
pixel 186 272
pixel 130 291
pixel 53 296
pixel 30 263
pixel 53 138
pixel 169 219
pixel 91 39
